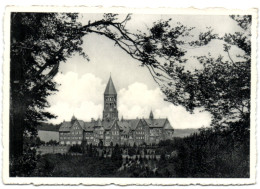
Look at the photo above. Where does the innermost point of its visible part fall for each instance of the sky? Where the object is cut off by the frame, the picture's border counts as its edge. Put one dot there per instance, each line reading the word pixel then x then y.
pixel 82 82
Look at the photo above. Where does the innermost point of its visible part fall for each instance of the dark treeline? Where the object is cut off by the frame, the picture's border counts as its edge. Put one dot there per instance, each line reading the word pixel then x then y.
pixel 214 152
pixel 57 165
pixel 48 127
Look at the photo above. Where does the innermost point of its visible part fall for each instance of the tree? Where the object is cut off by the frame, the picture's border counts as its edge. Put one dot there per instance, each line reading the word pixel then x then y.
pixel 90 150
pixel 41 41
pixel 76 149
pixel 100 144
pixel 222 87
pixel 116 153
pixel 131 151
pixel 52 142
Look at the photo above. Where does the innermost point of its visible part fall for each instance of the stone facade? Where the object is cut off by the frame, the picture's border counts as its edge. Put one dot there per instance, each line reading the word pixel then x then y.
pixel 110 130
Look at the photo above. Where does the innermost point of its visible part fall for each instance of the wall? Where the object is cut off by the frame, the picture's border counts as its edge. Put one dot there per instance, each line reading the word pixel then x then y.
pixel 52 149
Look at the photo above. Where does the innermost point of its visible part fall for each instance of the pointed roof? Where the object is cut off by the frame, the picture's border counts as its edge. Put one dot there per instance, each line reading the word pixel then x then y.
pixel 110 89
pixel 151 115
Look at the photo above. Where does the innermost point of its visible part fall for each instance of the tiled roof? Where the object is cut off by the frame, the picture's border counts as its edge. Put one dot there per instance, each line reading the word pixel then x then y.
pixel 133 123
pixel 124 126
pixel 89 126
pixel 81 123
pixel 155 123
pixel 65 126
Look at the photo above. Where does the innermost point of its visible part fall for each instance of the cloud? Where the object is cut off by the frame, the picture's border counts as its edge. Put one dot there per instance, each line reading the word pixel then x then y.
pixel 83 97
pixel 137 101
pixel 75 89
pixel 180 118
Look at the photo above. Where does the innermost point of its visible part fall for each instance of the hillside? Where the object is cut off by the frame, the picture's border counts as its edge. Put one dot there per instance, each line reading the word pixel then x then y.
pixel 184 132
pixel 48 127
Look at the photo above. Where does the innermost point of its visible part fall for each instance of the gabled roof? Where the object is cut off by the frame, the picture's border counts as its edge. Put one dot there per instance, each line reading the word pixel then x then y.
pixel 124 126
pixel 108 124
pixel 65 126
pixel 168 126
pixel 89 126
pixel 155 123
pixel 133 123
pixel 81 123
pixel 110 89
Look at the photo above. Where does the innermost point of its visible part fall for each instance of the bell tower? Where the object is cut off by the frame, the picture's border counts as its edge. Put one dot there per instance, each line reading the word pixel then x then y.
pixel 110 102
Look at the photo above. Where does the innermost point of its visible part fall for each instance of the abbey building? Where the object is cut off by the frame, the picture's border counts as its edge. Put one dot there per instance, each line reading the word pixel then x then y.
pixel 111 130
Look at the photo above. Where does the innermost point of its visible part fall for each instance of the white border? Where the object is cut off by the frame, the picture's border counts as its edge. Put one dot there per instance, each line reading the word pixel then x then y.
pixel 126 181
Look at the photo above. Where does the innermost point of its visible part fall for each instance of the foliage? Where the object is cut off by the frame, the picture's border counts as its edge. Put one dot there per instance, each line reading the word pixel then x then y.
pixel 131 151
pixel 52 143
pixel 212 153
pixel 222 87
pixel 23 166
pixel 57 165
pixel 76 149
pixel 39 42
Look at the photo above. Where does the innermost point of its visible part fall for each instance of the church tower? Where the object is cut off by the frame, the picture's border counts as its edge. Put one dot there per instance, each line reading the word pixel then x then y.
pixel 110 102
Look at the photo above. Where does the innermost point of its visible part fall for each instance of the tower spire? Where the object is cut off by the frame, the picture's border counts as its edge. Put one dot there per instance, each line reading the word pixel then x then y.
pixel 151 115
pixel 73 119
pixel 110 89
pixel 110 111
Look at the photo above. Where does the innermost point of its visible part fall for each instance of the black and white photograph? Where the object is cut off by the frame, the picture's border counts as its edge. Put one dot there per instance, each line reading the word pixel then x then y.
pixel 130 94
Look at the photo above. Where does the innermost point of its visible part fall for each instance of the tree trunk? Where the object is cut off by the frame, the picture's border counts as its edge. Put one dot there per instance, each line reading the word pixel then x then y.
pixel 17 110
